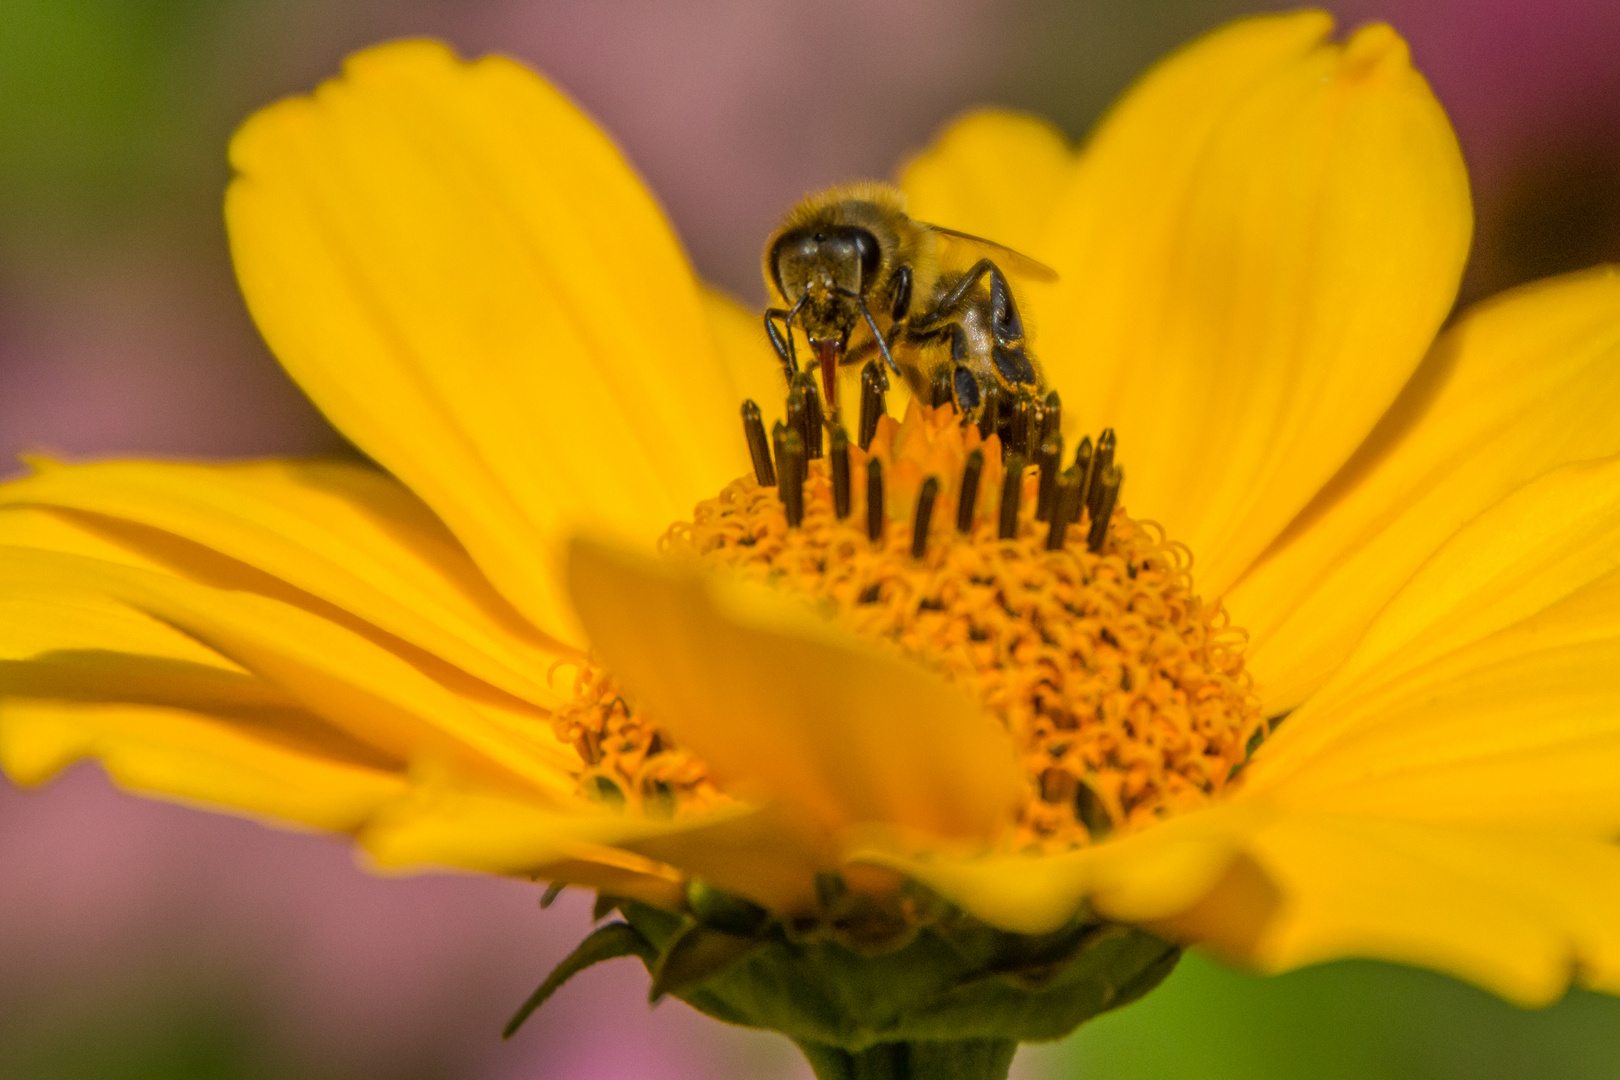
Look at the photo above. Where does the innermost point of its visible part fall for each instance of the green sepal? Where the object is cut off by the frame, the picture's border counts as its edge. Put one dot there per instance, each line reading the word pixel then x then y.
pixel 694 955
pixel 720 910
pixel 604 943
pixel 951 980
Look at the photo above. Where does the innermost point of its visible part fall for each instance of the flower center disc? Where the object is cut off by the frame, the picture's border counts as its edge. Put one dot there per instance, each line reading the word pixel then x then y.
pixel 1124 693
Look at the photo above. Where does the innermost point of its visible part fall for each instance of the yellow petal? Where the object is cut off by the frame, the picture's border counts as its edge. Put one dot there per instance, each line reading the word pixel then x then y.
pixel 172 753
pixel 993 173
pixel 1536 550
pixel 344 534
pixel 764 854
pixel 50 530
pixel 1257 247
pixel 781 705
pixel 1141 878
pixel 1521 914
pixel 356 685
pixel 749 359
pixel 462 272
pixel 1521 727
pixel 1522 384
pixel 447 825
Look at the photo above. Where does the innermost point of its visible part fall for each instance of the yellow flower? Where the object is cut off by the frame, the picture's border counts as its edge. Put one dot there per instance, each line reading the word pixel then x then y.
pixel 1420 536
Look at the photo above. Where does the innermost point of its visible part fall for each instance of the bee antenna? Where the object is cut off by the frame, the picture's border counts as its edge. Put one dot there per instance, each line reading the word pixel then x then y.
pixel 882 343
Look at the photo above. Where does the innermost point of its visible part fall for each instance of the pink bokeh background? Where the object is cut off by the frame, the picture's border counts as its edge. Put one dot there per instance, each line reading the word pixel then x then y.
pixel 127 337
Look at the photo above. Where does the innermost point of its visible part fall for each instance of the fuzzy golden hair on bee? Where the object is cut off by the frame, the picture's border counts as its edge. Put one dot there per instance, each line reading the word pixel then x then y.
pixel 875 207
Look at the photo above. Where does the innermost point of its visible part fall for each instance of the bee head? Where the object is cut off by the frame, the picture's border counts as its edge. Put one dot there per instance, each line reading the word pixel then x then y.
pixel 827 262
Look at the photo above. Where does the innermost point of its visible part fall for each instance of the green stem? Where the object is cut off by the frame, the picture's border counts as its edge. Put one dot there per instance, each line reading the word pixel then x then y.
pixel 965 1059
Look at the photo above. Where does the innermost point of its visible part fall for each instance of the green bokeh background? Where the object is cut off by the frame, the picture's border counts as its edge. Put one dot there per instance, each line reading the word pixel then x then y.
pixel 113 118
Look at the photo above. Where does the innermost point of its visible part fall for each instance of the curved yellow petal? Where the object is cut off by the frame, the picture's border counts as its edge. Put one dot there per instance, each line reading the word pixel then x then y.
pixel 356 685
pixel 462 272
pixel 51 530
pixel 1522 384
pixel 994 173
pixel 83 649
pixel 192 758
pixel 1256 249
pixel 1535 550
pixel 1520 729
pixel 1142 878
pixel 1519 913
pixel 447 825
pixel 781 706
pixel 766 854
pixel 345 534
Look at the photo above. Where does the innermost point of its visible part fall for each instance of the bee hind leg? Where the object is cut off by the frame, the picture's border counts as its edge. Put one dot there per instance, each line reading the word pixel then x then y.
pixel 968 395
pixel 1014 365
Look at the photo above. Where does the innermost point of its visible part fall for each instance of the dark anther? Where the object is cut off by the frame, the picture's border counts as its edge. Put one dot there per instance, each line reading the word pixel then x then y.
pixel 1105 449
pixel 1092 813
pixel 840 472
pixel 811 431
pixel 995 401
pixel 803 415
pixel 1052 416
pixel 1100 461
pixel 1065 508
pixel 874 381
pixel 791 490
pixel 1107 489
pixel 1012 486
pixel 1050 461
pixel 758 448
pixel 1018 430
pixel 1082 462
pixel 874 501
pixel 778 432
pixel 940 386
pixel 1058 785
pixel 970 491
pixel 925 514
pixel 796 410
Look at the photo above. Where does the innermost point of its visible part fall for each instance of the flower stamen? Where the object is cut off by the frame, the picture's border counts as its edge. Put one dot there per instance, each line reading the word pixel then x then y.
pixel 1124 694
pixel 925 511
pixel 758 448
pixel 874 501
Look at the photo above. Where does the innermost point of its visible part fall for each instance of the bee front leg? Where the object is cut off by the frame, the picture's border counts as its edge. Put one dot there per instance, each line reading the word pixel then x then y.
pixel 782 341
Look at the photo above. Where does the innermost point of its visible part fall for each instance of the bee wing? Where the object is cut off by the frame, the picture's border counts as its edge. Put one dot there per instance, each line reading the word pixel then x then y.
pixel 1015 261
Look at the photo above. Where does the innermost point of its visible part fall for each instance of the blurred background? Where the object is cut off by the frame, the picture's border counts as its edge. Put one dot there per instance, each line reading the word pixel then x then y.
pixel 144 940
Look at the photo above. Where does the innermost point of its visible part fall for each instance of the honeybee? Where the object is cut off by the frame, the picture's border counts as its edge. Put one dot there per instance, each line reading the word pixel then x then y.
pixel 849 260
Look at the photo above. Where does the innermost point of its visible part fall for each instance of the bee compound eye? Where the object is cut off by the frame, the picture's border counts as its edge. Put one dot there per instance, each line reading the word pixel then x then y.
pixel 871 253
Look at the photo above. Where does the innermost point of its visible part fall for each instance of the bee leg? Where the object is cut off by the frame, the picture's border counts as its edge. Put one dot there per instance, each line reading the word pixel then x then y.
pixel 1005 322
pixel 1013 364
pixel 951 302
pixel 782 341
pixel 871 324
pixel 1006 325
pixel 967 386
pixel 967 390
